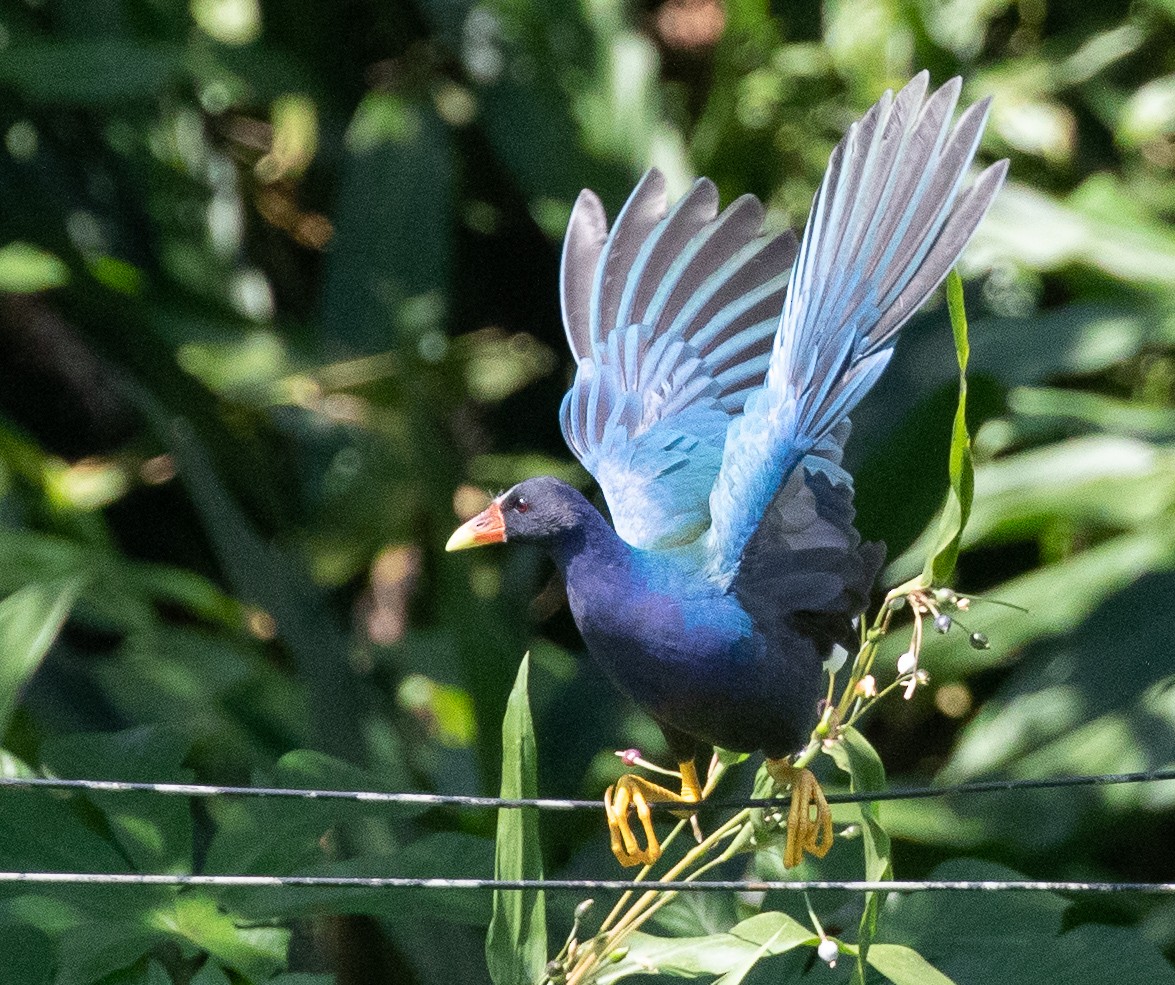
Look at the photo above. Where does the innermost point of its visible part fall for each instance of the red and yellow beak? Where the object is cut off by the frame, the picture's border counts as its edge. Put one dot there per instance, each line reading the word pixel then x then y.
pixel 488 527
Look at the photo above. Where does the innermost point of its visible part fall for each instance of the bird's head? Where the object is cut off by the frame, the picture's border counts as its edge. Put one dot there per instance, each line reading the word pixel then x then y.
pixel 538 510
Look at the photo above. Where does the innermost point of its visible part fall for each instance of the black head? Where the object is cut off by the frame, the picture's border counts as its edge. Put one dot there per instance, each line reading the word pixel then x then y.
pixel 540 510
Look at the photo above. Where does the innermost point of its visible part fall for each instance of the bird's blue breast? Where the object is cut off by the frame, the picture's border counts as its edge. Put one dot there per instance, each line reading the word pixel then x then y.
pixel 685 650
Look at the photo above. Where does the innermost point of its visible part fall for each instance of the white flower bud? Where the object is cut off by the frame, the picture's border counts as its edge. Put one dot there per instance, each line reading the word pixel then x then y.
pixel 828 952
pixel 907 662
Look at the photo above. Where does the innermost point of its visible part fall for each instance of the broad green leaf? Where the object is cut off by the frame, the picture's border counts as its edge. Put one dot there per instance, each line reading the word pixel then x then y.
pixel 90 951
pixel 941 563
pixel 25 268
pixel 1057 598
pixel 735 951
pixel 28 951
pixel 283 836
pixel 855 756
pixel 155 833
pixel 1017 938
pixel 516 945
pixel 257 952
pixel 444 855
pixel 904 966
pixel 30 620
pixel 744 967
pixel 1096 481
pixel 211 974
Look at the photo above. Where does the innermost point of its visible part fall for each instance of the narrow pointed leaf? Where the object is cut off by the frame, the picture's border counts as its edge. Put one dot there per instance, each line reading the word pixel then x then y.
pixel 855 756
pixel 516 945
pixel 941 563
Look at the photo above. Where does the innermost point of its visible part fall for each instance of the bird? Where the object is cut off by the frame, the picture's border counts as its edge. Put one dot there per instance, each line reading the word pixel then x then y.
pixel 716 369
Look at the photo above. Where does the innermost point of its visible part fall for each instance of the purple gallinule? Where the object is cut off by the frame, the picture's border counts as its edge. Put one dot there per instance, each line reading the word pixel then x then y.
pixel 717 367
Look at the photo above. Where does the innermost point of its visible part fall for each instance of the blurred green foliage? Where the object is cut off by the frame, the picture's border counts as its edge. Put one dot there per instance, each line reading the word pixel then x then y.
pixel 279 304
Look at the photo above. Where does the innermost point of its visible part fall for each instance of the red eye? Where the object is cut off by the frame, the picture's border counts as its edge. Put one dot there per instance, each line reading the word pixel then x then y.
pixel 522 506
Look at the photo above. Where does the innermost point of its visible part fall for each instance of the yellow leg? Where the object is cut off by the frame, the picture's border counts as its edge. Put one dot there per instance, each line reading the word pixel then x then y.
pixel 635 792
pixel 809 822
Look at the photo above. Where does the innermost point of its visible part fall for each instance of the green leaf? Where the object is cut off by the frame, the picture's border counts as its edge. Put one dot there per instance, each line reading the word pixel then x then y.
pixel 155 833
pixel 258 952
pixel 90 951
pixel 283 836
pixel 29 623
pixel 516 945
pixel 1018 938
pixel 904 966
pixel 731 953
pixel 855 756
pixel 443 855
pixel 743 968
pixel 25 268
pixel 211 974
pixel 941 563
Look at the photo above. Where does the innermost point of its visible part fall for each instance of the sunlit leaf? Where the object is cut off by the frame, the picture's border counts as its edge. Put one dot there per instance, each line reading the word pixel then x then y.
pixel 30 620
pixel 257 952
pixel 516 945
pixel 1021 935
pixel 25 268
pixel 735 951
pixel 154 833
pixel 905 966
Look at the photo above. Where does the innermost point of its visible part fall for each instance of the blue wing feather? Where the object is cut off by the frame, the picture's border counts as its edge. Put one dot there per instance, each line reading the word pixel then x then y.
pixel 887 224
pixel 670 338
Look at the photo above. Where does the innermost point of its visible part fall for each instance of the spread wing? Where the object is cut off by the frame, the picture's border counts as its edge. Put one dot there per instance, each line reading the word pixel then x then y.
pixel 890 219
pixel 670 316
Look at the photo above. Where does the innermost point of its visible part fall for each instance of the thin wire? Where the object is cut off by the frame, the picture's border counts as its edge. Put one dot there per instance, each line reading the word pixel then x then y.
pixel 559 804
pixel 723 885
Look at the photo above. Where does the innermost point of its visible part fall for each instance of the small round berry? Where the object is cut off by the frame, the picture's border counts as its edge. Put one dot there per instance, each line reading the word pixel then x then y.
pixel 980 641
pixel 942 622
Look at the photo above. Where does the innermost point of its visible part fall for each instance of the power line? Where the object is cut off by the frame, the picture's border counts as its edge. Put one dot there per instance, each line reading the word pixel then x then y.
pixel 560 804
pixel 578 885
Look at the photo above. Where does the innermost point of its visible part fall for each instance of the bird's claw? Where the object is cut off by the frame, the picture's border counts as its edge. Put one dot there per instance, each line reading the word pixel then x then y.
pixel 635 793
pixel 809 822
pixel 617 800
